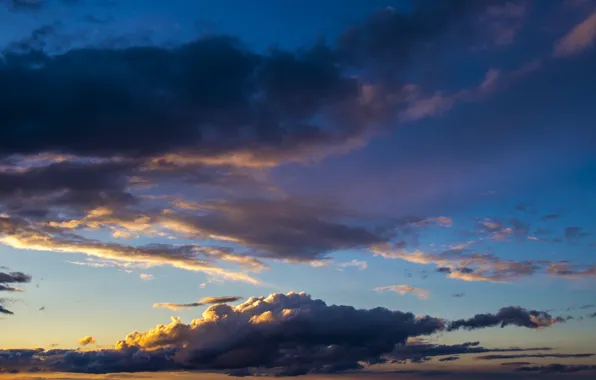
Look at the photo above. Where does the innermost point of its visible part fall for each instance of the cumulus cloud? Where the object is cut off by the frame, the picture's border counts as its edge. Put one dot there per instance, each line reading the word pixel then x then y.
pixel 286 333
pixel 87 341
pixel 422 294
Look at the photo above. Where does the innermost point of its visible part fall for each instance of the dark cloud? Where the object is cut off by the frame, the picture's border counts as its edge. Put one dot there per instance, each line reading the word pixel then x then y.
pixel 506 316
pixel 543 232
pixel 7 278
pixel 4 310
pixel 586 306
pixel 449 359
pixel 14 277
pixel 286 331
pixel 220 299
pixel 550 217
pixel 448 270
pixel 558 368
pixel 593 315
pixel 416 351
pixel 574 233
pixel 204 94
pixel 24 5
pixel 289 229
pixel 522 356
pixel 292 333
pixel 202 302
pixel 212 96
pixel 177 306
pixel 515 364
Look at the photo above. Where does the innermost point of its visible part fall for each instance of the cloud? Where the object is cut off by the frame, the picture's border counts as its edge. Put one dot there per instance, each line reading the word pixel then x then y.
pixel 220 299
pixel 523 356
pixel 288 229
pixel 511 315
pixel 550 217
pixel 574 233
pixel 292 333
pixel 516 364
pixel 177 306
pixel 4 310
pixel 466 264
pixel 19 233
pixel 580 38
pixel 449 359
pixel 87 340
pixel 7 288
pixel 558 368
pixel 422 294
pixel 202 302
pixel 14 277
pixel 417 350
pixel 362 265
pixel 146 277
pixel 227 110
pixel 283 330
pixel 8 278
pixel 223 103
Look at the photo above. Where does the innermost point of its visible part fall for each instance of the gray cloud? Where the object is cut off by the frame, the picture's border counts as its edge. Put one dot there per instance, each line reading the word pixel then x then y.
pixel 449 359
pixel 290 229
pixel 574 233
pixel 558 368
pixel 6 279
pixel 220 299
pixel 506 316
pixel 466 264
pixel 291 333
pixel 202 302
pixel 550 217
pixel 421 350
pixel 523 356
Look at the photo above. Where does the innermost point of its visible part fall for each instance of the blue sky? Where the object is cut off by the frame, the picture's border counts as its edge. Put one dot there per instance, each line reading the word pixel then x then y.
pixel 463 164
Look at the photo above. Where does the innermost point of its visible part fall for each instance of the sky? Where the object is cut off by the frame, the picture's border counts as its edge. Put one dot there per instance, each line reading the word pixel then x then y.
pixel 319 188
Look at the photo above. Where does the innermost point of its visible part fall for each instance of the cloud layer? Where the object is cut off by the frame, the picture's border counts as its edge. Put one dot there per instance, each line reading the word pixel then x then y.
pixel 292 332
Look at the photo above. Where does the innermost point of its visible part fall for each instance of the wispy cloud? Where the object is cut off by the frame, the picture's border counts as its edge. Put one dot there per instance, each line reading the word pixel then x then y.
pixel 422 294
